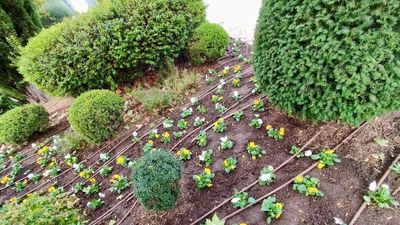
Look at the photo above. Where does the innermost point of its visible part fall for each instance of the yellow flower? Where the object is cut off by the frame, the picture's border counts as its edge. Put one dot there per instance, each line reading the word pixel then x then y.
pixel 243 224
pixel 298 179
pixel 39 159
pixel 278 215
pixel 117 177
pixel 178 152
pixel 197 177
pixel 120 160
pixel 279 205
pixel 237 69
pixel 186 151
pixel 320 165
pixel 209 185
pixel 92 180
pixel 52 164
pixel 312 190
pixel 225 71
pixel 157 135
pixel 257 101
pixel 25 181
pixel 281 131
pixel 29 195
pixel 216 124
pixel 252 144
pixel 166 134
pixel 253 157
pixel 4 180
pixel 207 170
pixel 226 163
pixel 329 151
pixel 10 157
pixel 268 127
pixel 150 142
pixel 51 189
pixel 82 173
pixel 13 200
pixel 221 120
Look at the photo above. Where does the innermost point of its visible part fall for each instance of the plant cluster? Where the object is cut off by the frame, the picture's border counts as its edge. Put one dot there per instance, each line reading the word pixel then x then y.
pixel 229 164
pixel 267 176
pixel 241 199
pixel 326 158
pixel 307 186
pixel 273 209
pixel 219 126
pixel 254 150
pixel 184 154
pixel 380 196
pixel 225 143
pixel 206 157
pixel 274 133
pixel 204 179
pixel 201 138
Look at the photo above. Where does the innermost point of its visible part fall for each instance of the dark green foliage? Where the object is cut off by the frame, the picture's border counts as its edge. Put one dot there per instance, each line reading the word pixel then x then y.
pixel 209 43
pixel 18 124
pixel 9 98
pixel 330 59
pixel 42 210
pixel 115 42
pixel 96 114
pixel 156 176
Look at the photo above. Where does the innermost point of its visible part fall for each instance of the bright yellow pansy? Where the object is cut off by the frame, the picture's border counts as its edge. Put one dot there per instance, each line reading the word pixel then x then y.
pixel 329 151
pixel 312 190
pixel 252 144
pixel 51 189
pixel 150 142
pixel 268 127
pixel 299 179
pixel 4 180
pixel 120 160
pixel 281 131
pixel 207 171
pixel 320 165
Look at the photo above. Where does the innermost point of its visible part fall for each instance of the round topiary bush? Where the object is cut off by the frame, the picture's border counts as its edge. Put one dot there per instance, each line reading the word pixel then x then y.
pixel 326 60
pixel 18 124
pixel 42 210
pixel 114 42
pixel 96 114
pixel 209 42
pixel 156 176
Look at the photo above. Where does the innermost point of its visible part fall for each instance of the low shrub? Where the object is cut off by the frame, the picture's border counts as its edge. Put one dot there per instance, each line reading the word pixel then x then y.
pixel 72 141
pixel 42 210
pixel 328 60
pixel 156 176
pixel 18 124
pixel 209 42
pixel 96 114
pixel 114 42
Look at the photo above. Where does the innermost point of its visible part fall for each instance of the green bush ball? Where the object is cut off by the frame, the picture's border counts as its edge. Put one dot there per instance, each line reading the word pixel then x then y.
pixel 330 59
pixel 96 114
pixel 18 124
pixel 209 43
pixel 156 178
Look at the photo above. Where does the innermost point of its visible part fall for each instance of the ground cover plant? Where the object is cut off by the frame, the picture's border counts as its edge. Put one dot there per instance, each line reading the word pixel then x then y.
pixel 332 58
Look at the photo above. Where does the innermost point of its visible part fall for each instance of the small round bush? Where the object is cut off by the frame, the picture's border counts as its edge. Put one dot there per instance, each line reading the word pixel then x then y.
pixel 209 43
pixel 115 42
pixel 96 114
pixel 327 60
pixel 156 176
pixel 42 210
pixel 18 124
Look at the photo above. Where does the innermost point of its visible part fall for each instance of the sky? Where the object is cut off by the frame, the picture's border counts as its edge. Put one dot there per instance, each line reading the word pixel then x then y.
pixel 238 17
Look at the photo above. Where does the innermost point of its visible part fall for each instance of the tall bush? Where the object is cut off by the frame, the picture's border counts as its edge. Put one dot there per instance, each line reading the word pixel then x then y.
pixel 116 41
pixel 18 124
pixel 156 176
pixel 96 114
pixel 330 59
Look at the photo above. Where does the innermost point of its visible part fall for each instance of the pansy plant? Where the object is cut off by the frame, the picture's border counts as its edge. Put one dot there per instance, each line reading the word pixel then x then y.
pixel 307 186
pixel 202 109
pixel 135 136
pixel 272 209
pixel 91 189
pixel 186 112
pixel 220 108
pixel 237 69
pixel 183 124
pixel 105 171
pixel 78 187
pixel 184 154
pixel 256 123
pixel 104 156
pixel 168 123
pixel 194 101
pixel 326 158
pixel 153 134
pixel 276 134
pixel 236 96
pixel 219 126
pixel 212 71
pixel 225 143
pixel 258 105
pixel 396 168
pixel 238 115
pixel 254 150
pixel 206 157
pixel 380 196
pixel 199 121
pixel 118 183
pixel 220 88
pixel 122 161
pixel 95 203
pixel 201 138
pixel 294 150
pixel 241 199
pixel 166 137
pixel 204 179
pixel 148 147
pixel 216 98
pixel 267 176
pixel 178 134
pixel 208 79
pixel 236 82
pixel 230 164
pixel 225 71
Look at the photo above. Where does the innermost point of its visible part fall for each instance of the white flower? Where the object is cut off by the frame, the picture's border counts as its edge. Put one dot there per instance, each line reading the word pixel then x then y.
pixel 75 166
pixel 67 156
pixel 224 139
pixel 265 177
pixel 235 93
pixel 254 91
pixel 193 100
pixel 257 115
pixel 338 221
pixel 260 121
pixel 308 153
pixel 222 82
pixel 103 156
pixel 34 145
pixel 101 195
pixel 46 173
pixel 30 176
pixel 155 131
pixel 219 86
pixel 270 168
pixel 372 186
pixel 234 200
pixel 134 134
pixel 206 76
pixel 385 186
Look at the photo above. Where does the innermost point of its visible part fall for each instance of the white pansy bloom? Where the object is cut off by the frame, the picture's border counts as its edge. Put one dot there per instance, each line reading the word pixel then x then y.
pixel 34 145
pixel 224 139
pixel 135 134
pixel 265 177
pixel 308 153
pixel 30 176
pixel 193 100
pixel 234 200
pixel 270 167
pixel 235 93
pixel 155 131
pixel 260 121
pixel 338 221
pixel 221 82
pixel 385 186
pixel 219 86
pixel 67 156
pixel 101 195
pixel 372 186
pixel 103 156
pixel 75 166
pixel 257 115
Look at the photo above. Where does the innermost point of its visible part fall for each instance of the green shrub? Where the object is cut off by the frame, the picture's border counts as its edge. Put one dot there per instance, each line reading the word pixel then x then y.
pixel 209 43
pixel 42 210
pixel 115 42
pixel 156 176
pixel 96 114
pixel 18 124
pixel 326 59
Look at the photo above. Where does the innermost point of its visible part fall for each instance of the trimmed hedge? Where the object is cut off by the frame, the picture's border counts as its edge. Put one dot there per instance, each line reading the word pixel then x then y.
pixel 115 42
pixel 49 209
pixel 18 124
pixel 330 59
pixel 156 176
pixel 209 43
pixel 96 114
